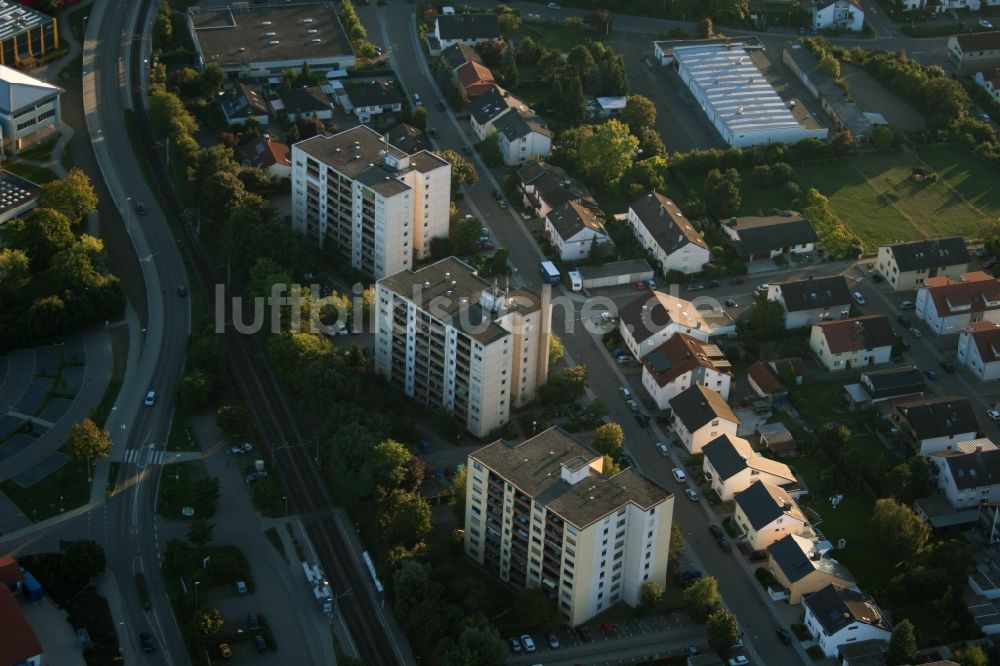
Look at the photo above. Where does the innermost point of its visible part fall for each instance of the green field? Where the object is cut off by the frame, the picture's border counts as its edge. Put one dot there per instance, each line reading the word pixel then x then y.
pixel 876 197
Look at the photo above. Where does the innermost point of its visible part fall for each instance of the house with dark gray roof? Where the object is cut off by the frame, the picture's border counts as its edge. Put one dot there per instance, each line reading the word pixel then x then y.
pixel 546 186
pixel 731 466
pixel 409 138
pixel 523 137
pixel 771 236
pixel 468 29
pixel 701 415
pixel 307 102
pixel 969 474
pixel 936 424
pixel 838 615
pixel 892 383
pixel 766 513
pixel 575 230
pixel 370 98
pixel 811 301
pixel 458 54
pixel 667 235
pixel 242 102
pixel 906 265
pixel 802 568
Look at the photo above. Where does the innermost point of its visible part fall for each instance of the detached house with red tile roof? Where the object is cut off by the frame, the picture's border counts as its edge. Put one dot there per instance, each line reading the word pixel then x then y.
pixel 269 154
pixel 949 306
pixel 681 362
pixel 979 349
pixel 853 343
pixel 473 79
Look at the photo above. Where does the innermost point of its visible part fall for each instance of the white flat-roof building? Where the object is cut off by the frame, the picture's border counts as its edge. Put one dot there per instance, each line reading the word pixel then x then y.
pixel 728 83
pixel 29 109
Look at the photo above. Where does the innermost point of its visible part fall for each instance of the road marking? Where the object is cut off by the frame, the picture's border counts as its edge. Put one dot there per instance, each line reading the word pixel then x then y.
pixel 135 456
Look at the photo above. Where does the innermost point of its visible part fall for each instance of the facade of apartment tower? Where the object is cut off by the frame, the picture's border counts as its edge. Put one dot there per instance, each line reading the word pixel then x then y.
pixel 450 339
pixel 542 514
pixel 377 204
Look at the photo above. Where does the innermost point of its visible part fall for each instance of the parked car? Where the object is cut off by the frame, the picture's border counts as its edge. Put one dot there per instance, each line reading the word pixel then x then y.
pixel 993 414
pixel 619 351
pixel 150 399
pixel 948 366
pixel 730 303
pixel 254 477
pixel 416 99
pixel 930 374
pixel 245 447
pixel 441 106
pixel 633 405
pixel 253 622
pixel 182 290
pixel 608 629
pixel 225 652
pixel 716 531
pixel 724 546
pixel 664 448
pixel 553 5
pixel 981 252
pixel 467 150
pixel 907 305
pixel 679 474
pixel 260 644
pixel 784 636
pixel 515 645
pixel 139 208
pixel 625 392
pixel 147 642
pixel 643 419
pixel 916 332
pixel 985 23
pixel 529 643
pixel 696 286
pixel 553 641
pixel 859 298
pixel 692 495
pixel 739 661
pixel 904 321
pixel 434 133
pixel 985 117
pixel 584 634
pixel 241 587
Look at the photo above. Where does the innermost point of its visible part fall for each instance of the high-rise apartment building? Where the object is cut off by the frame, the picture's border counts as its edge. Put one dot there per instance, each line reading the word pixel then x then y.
pixel 450 339
pixel 542 514
pixel 379 205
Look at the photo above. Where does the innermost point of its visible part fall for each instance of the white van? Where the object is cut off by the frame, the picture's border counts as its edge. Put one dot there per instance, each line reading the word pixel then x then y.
pixel 575 280
pixel 447 11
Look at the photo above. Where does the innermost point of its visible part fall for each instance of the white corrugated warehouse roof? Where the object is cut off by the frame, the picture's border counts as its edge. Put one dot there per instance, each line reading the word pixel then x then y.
pixel 735 88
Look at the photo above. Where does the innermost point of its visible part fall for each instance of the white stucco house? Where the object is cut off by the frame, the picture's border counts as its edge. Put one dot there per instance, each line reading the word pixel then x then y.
pixel 979 350
pixel 681 362
pixel 809 302
pixel 767 513
pixel 837 616
pixel 574 230
pixel 906 265
pixel 651 319
pixel 846 15
pixel 949 306
pixel 667 235
pixel 701 415
pixel 936 424
pixel 860 342
pixel 969 474
pixel 731 466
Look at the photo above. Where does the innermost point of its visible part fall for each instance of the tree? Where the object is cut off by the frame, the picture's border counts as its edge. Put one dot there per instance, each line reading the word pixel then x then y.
pixel 218 195
pixel 639 112
pixel 14 271
pixel 702 598
pixel 418 118
pixel 882 137
pixel 208 623
pixel 723 631
pixel 902 532
pixel 650 143
pixel 458 484
pixel 509 74
pixel 830 65
pixel 767 317
pixel 722 189
pixel 176 554
pixel 40 234
pixel 206 494
pixel 903 644
pixel 489 150
pixel 194 390
pixel 462 171
pixel 580 59
pixel 556 350
pixel 571 100
pixel 475 645
pixel 608 439
pixel 88 442
pixel 705 28
pixel 83 559
pixel 971 655
pixel 234 420
pixel 533 609
pixel 199 532
pixel 404 518
pixel 509 23
pixel 606 154
pixel 650 594
pixel 610 466
pixel 48 314
pixel 528 51
pixel 73 196
pixel 567 385
pixel 210 80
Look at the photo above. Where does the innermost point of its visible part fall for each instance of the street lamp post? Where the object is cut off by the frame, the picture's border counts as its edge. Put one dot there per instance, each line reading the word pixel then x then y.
pixel 60 504
pixel 285 498
pixel 196 584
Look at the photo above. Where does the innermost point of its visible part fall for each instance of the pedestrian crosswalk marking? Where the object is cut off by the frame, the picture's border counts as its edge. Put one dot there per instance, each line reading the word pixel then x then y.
pixel 134 456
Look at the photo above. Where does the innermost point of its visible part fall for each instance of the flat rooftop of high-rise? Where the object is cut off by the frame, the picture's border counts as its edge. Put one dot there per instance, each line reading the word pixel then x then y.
pixel 535 467
pixel 352 151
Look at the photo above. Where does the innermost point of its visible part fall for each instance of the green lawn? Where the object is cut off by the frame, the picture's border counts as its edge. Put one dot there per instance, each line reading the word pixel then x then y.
pixel 181 437
pixel 177 489
pixel 822 402
pixel 876 198
pixel 850 521
pixel 42 500
pixel 36 174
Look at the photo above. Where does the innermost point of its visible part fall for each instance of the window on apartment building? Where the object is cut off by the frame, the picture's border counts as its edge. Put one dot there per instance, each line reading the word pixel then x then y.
pixel 618 555
pixel 617 567
pixel 569 563
pixel 617 576
pixel 621 523
pixel 647 566
pixel 600 595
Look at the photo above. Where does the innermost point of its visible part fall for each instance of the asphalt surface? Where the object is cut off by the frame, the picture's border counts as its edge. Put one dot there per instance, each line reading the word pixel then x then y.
pixel 131 541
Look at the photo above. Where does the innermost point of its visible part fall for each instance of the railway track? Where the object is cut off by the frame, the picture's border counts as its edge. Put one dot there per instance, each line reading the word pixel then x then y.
pixel 274 422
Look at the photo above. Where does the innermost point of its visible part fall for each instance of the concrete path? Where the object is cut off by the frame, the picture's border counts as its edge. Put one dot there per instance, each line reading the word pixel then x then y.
pixel 11 517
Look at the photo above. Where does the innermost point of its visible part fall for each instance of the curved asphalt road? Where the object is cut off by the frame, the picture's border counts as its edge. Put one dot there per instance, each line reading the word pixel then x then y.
pixel 132 543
